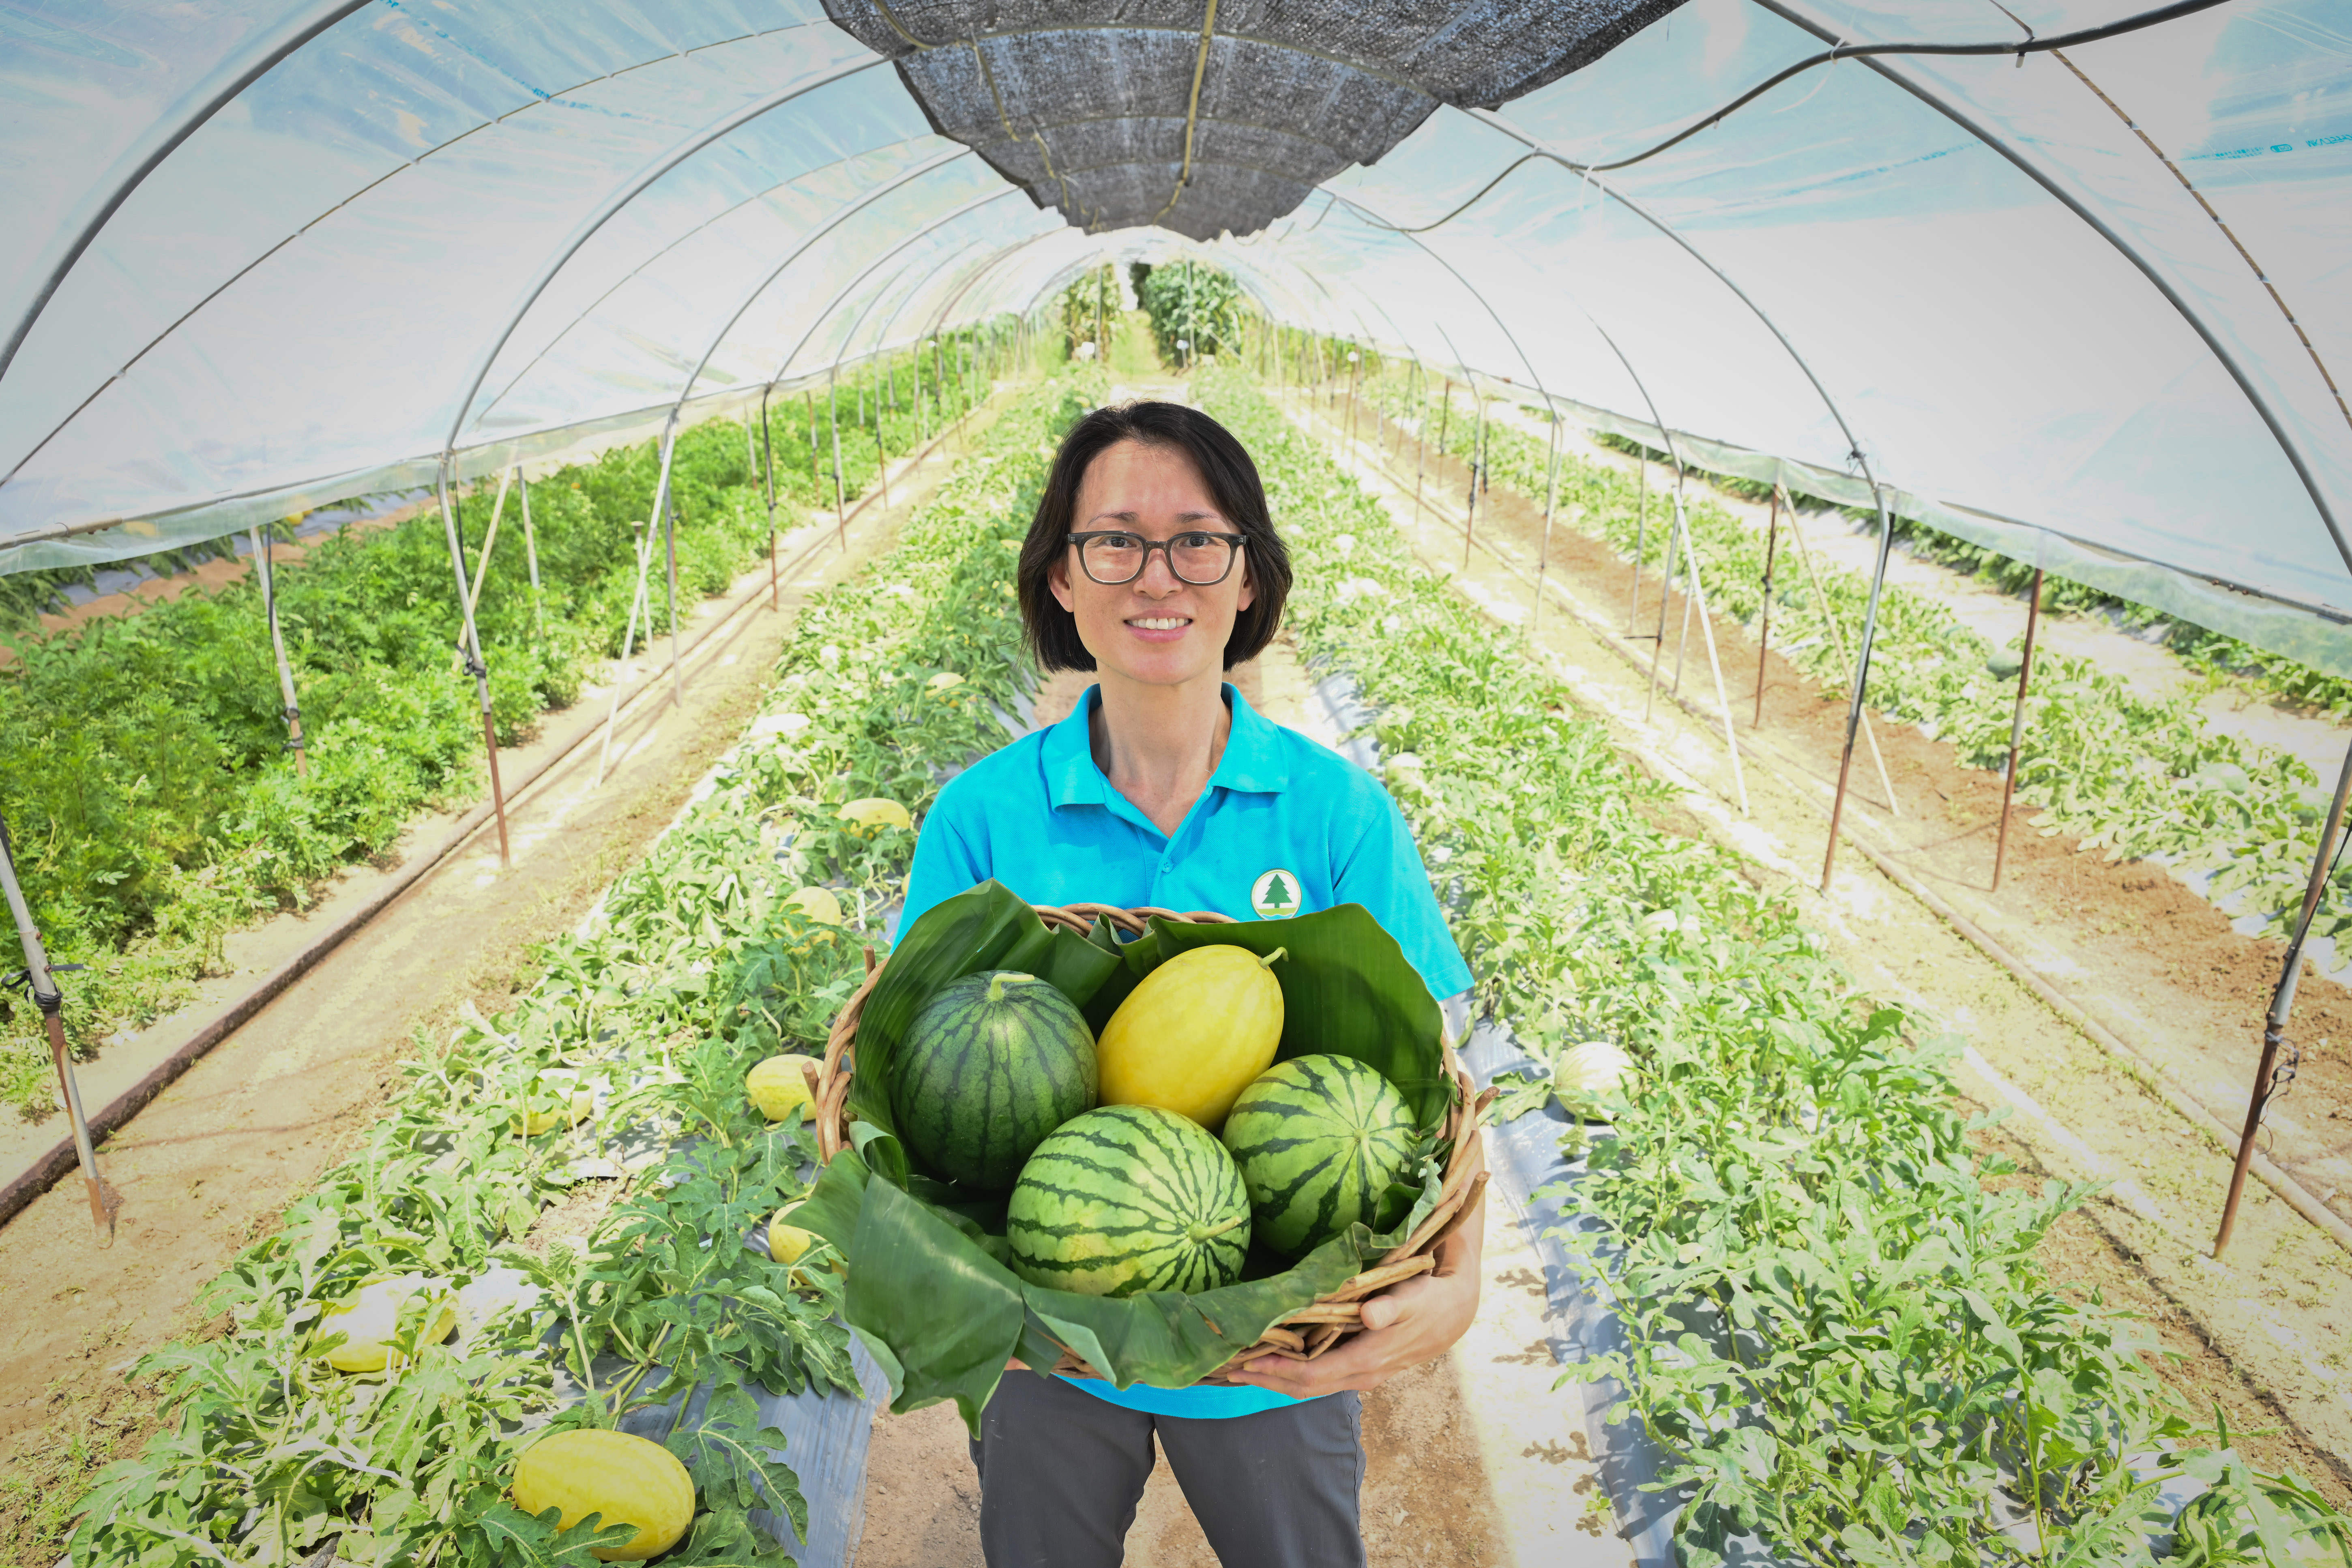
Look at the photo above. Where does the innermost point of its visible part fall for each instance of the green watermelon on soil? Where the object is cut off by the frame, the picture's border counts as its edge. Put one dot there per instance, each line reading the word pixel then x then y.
pixel 1130 1198
pixel 1319 1139
pixel 992 1064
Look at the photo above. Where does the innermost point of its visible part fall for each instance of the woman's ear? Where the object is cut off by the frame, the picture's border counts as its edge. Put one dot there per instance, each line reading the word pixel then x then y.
pixel 1057 578
pixel 1248 596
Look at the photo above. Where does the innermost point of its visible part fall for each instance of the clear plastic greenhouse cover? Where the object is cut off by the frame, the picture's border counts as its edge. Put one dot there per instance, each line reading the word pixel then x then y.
pixel 2081 305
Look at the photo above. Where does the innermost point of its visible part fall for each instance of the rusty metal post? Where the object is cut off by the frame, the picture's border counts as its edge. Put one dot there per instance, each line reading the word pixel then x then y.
pixel 1764 634
pixel 1861 679
pixel 2017 727
pixel 40 980
pixel 2269 1078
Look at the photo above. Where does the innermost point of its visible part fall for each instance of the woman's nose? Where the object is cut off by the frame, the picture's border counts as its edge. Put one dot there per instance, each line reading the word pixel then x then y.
pixel 1157 578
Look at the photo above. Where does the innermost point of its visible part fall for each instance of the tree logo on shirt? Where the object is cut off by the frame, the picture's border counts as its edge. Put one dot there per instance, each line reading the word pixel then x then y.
pixel 1274 894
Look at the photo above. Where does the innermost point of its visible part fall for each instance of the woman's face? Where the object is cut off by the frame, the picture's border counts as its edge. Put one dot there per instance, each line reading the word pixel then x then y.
pixel 1158 630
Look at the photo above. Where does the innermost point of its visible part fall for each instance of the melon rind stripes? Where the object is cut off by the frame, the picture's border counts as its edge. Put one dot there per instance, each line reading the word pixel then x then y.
pixel 1130 1198
pixel 1319 1139
pixel 980 1082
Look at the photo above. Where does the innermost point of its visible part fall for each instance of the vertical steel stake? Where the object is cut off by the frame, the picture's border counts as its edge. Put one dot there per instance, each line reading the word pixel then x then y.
pixel 1837 641
pixel 1658 643
pixel 2269 1079
pixel 473 657
pixel 1861 682
pixel 40 980
pixel 1764 633
pixel 531 558
pixel 261 566
pixel 2017 727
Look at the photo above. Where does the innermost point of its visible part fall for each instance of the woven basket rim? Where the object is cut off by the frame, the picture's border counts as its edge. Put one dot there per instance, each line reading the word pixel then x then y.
pixel 1327 1319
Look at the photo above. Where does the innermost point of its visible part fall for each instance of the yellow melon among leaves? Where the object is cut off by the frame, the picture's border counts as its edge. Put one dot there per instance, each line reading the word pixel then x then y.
pixel 1193 1034
pixel 626 1479
pixel 370 1318
pixel 778 1084
pixel 870 815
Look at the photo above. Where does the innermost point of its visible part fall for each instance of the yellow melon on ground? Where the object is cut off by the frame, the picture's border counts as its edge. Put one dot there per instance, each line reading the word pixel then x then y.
pixel 818 904
pixel 370 1316
pixel 776 1085
pixel 1194 1034
pixel 557 1099
pixel 870 815
pixel 626 1479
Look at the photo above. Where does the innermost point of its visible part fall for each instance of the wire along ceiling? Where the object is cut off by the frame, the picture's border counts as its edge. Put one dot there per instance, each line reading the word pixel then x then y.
pixel 1206 118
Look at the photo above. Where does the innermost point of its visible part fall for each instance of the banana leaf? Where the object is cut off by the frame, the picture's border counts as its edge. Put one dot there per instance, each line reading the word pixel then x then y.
pixel 929 1285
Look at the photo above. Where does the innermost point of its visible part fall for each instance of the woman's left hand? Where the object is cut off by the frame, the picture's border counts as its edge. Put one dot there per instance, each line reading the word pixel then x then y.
pixel 1416 1321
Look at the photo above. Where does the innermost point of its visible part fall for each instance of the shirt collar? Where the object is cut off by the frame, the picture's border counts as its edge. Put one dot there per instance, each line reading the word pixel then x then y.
pixel 1252 763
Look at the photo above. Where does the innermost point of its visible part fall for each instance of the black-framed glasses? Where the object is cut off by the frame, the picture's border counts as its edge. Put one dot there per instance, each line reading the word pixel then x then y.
pixel 1114 556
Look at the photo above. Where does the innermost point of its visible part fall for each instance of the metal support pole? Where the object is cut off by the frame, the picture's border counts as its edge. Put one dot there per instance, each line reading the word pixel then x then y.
pixel 490 542
pixel 637 601
pixel 2017 727
pixel 531 558
pixel 669 547
pixel 1837 641
pixel 1696 594
pixel 768 487
pixel 1861 681
pixel 473 657
pixel 1641 547
pixel 2269 1077
pixel 261 567
pixel 1478 454
pixel 1764 632
pixel 1551 495
pixel 840 502
pixel 40 980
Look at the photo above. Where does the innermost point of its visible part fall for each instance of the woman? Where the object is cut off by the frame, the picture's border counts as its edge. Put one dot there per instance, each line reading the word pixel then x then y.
pixel 1152 562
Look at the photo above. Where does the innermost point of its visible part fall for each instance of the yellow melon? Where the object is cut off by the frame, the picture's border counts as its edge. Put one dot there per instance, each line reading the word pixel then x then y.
pixel 869 817
pixel 370 1316
pixel 818 904
pixel 558 1098
pixel 627 1480
pixel 776 1085
pixel 1193 1034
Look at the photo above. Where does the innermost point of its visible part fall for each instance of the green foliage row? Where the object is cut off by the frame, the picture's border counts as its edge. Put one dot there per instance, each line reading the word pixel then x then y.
pixel 2130 774
pixel 1199 304
pixel 695 966
pixel 142 764
pixel 1839 1333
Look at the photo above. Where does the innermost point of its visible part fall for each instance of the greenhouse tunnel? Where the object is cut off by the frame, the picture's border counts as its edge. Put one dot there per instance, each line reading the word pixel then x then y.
pixel 2063 278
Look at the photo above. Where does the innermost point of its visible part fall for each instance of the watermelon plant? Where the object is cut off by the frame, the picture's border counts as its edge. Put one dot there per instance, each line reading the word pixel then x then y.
pixel 1837 1329
pixel 2132 775
pixel 667 1317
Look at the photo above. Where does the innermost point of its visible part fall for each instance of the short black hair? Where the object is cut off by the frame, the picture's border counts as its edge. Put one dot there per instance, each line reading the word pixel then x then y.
pixel 1224 467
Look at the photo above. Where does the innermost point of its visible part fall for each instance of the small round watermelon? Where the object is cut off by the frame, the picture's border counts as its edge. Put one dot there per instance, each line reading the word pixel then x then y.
pixel 992 1064
pixel 1318 1139
pixel 1129 1198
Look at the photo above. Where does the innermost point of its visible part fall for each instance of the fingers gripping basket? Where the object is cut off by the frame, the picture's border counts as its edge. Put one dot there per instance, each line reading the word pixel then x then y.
pixel 1304 1334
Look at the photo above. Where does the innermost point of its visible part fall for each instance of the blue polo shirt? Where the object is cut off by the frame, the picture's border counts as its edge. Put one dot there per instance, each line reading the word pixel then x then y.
pixel 1287 827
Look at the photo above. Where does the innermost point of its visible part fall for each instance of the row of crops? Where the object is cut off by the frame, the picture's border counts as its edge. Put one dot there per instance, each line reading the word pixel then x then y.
pixel 2136 776
pixel 143 769
pixel 1837 1329
pixel 699 963
pixel 1839 1333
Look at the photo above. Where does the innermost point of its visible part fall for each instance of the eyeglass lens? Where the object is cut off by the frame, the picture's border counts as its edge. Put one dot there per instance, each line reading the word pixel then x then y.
pixel 1199 559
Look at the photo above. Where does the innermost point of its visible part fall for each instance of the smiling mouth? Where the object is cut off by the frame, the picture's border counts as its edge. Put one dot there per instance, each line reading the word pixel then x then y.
pixel 1159 622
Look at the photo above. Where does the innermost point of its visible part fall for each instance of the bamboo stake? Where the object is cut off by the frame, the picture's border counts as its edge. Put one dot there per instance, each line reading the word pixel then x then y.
pixel 1697 595
pixel 472 651
pixel 531 558
pixel 1764 634
pixel 628 643
pixel 261 566
pixel 40 981
pixel 840 502
pixel 1861 684
pixel 490 542
pixel 669 547
pixel 1551 495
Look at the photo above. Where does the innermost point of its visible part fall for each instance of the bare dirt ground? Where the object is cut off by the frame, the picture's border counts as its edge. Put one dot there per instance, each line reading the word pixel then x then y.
pixel 2265 1333
pixel 211 1164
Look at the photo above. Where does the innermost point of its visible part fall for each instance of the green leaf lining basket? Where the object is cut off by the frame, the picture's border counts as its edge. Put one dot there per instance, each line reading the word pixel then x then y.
pixel 930 1291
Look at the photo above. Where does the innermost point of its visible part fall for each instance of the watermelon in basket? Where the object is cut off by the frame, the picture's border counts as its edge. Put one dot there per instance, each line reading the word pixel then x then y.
pixel 989 1205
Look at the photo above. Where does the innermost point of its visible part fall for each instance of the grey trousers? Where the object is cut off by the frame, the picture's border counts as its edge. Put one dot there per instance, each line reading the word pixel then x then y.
pixel 1060 1472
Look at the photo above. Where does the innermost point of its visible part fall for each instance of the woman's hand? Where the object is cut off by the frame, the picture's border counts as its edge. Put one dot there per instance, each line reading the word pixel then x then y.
pixel 1416 1321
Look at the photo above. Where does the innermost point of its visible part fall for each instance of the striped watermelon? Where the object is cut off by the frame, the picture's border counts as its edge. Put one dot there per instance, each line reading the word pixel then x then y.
pixel 1129 1198
pixel 1318 1139
pixel 992 1064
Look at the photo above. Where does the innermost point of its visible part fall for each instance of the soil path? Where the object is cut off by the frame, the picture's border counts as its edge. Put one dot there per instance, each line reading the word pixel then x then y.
pixel 1472 1458
pixel 212 1164
pixel 2265 1333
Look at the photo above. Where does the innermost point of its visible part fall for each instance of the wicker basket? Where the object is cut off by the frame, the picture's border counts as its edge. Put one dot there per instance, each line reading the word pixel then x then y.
pixel 1314 1328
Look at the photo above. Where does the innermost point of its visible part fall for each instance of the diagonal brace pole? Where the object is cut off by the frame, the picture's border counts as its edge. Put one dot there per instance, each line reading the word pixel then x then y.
pixel 41 980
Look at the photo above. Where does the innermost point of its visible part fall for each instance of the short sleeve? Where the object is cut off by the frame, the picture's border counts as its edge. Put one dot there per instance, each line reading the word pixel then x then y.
pixel 1384 874
pixel 944 864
